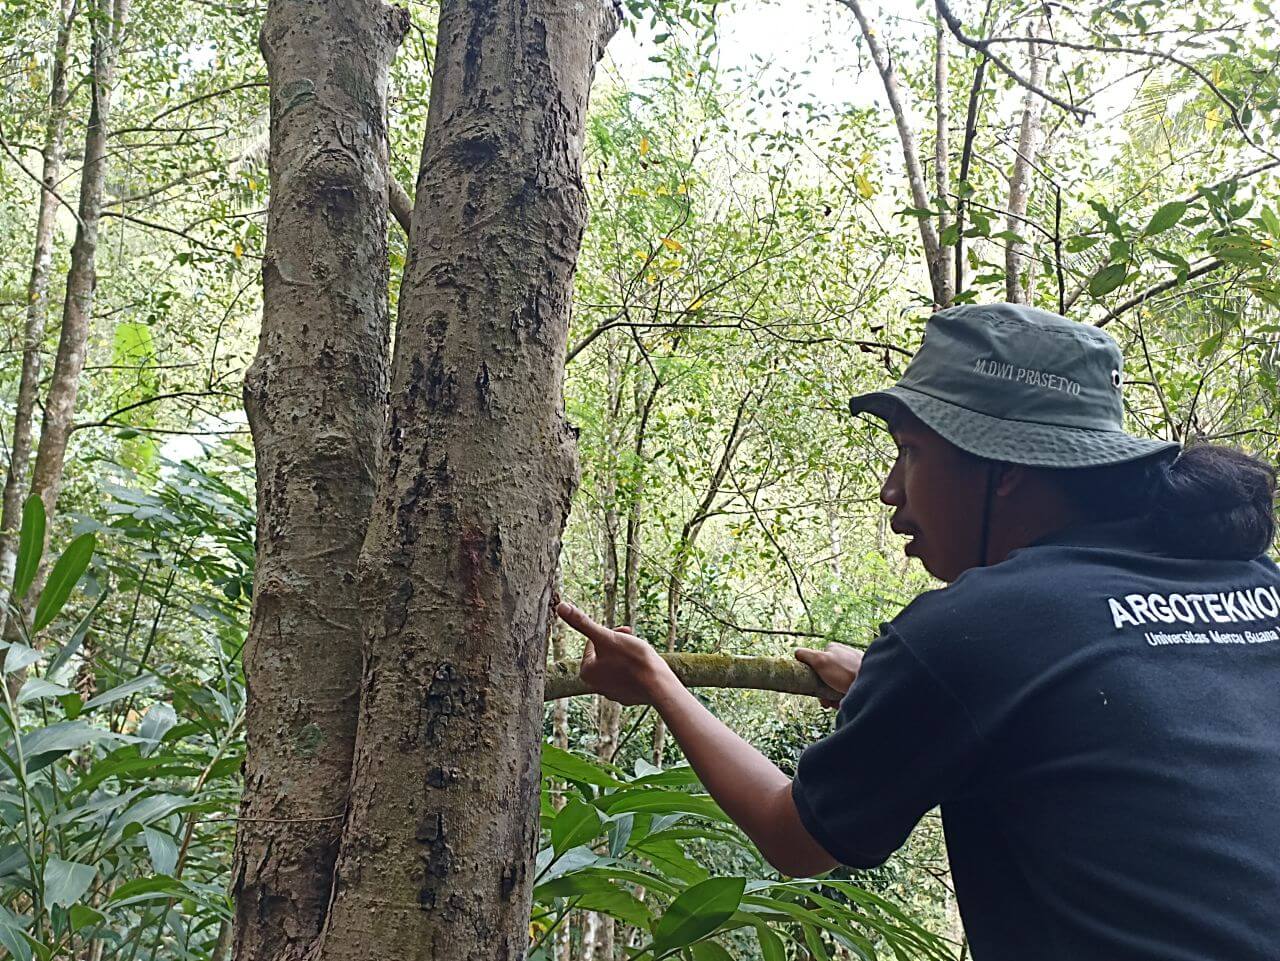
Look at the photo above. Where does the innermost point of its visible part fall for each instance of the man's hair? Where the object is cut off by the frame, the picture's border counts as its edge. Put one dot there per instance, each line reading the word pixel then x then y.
pixel 1212 501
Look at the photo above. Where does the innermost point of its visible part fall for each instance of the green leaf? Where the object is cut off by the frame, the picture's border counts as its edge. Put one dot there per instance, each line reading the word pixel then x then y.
pixel 13 939
pixel 950 236
pixel 1107 279
pixel 62 580
pixel 594 893
pixel 77 638
pixel 577 823
pixel 63 736
pixel 651 800
pixel 573 767
pixel 771 945
pixel 30 546
pixel 126 689
pixel 159 720
pixel 162 849
pixel 710 951
pixel 1078 243
pixel 147 889
pixel 698 912
pixel 19 657
pixel 35 688
pixel 1164 218
pixel 81 916
pixel 65 882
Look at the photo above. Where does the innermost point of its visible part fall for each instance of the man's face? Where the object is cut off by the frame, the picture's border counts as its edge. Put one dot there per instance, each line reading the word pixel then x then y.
pixel 938 491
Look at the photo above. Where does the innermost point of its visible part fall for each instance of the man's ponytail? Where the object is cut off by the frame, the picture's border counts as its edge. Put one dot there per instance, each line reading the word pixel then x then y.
pixel 1214 502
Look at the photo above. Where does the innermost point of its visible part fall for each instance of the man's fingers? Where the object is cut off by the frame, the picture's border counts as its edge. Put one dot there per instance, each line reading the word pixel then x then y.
pixel 808 656
pixel 624 630
pixel 584 625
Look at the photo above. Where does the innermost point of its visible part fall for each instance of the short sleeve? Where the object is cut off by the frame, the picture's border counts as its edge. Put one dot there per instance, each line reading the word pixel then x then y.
pixel 902 743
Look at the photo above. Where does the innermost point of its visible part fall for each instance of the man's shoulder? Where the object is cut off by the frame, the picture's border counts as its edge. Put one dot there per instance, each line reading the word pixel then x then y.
pixel 990 601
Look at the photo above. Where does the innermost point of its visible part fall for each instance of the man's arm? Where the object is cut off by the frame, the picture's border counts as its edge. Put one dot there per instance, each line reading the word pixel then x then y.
pixel 747 785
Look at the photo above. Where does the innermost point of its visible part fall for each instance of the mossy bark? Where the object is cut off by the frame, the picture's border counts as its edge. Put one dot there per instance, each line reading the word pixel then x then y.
pixel 781 674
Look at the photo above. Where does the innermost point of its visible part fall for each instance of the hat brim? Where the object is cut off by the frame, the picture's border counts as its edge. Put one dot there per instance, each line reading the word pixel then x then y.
pixel 1012 441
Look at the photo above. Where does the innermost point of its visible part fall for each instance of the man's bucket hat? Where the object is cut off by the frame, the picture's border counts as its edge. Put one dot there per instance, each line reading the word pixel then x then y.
pixel 1019 385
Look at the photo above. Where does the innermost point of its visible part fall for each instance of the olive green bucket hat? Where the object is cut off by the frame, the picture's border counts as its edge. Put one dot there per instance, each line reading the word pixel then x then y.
pixel 1019 385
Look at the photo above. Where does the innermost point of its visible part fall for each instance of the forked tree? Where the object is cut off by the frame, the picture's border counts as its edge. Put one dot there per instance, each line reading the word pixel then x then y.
pixel 457 482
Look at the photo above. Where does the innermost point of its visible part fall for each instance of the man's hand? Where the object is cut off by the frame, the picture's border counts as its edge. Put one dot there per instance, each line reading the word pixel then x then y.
pixel 616 663
pixel 837 666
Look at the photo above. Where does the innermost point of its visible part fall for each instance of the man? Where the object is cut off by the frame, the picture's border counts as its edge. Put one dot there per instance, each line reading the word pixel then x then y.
pixel 1094 700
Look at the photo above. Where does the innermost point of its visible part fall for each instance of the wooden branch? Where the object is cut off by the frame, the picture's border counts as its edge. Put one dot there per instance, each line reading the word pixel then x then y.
pixel 399 202
pixel 910 155
pixel 1199 270
pixel 984 47
pixel 782 674
pixel 1015 258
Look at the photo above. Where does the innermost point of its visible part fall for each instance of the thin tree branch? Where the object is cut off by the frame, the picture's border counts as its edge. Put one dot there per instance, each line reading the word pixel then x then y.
pixel 984 47
pixel 1204 267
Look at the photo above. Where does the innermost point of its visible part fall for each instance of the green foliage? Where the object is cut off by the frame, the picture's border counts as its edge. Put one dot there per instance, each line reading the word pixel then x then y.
pixel 633 847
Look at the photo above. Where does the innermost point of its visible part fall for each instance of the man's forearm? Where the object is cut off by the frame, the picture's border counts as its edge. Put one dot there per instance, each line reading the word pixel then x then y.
pixel 747 785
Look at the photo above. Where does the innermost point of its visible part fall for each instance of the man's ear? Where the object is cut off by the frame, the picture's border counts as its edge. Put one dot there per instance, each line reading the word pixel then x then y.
pixel 1010 478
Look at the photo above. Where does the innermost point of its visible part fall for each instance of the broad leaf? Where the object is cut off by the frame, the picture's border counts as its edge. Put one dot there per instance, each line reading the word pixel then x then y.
pixel 63 736
pixel 163 850
pixel 698 912
pixel 710 951
pixel 577 823
pixel 62 580
pixel 572 767
pixel 65 882
pixel 19 657
pixel 35 688
pixel 120 691
pixel 157 722
pixel 30 546
pixel 1164 218
pixel 1107 279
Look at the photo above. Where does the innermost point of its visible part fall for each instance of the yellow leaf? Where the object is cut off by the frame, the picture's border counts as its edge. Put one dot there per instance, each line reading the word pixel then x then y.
pixel 683 188
pixel 253 184
pixel 639 255
pixel 1212 119
pixel 672 244
pixel 644 146
pixel 637 192
pixel 662 191
pixel 238 250
pixel 652 277
pixel 697 303
pixel 864 186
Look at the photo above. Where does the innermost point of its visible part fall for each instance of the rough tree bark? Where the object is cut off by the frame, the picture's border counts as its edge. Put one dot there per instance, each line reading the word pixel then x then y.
pixel 460 559
pixel 107 20
pixel 880 56
pixel 316 399
pixel 1015 255
pixel 37 309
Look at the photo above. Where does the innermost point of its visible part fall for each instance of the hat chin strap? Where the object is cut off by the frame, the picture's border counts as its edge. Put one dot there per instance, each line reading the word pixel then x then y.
pixel 988 496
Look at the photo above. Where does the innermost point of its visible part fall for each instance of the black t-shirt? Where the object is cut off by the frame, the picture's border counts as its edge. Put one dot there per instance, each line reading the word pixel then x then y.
pixel 1101 725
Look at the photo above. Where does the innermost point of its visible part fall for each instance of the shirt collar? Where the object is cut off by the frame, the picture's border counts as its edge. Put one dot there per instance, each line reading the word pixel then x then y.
pixel 1130 534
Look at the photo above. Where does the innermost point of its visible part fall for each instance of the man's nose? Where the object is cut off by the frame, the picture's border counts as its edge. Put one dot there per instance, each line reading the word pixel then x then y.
pixel 891 489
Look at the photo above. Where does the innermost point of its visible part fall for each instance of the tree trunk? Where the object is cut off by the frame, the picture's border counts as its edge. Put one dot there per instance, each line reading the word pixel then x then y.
pixel 941 153
pixel 933 256
pixel 316 399
pixel 479 466
pixel 107 19
pixel 37 309
pixel 1015 256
